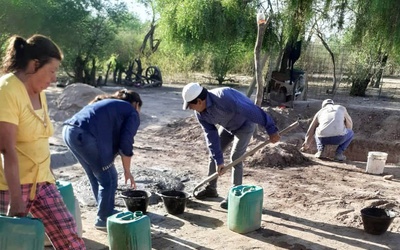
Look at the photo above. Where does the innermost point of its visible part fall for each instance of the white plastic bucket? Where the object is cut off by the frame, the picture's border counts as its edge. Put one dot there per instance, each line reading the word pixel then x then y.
pixel 376 162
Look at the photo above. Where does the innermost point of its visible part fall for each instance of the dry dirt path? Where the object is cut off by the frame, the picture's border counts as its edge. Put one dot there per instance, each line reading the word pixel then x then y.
pixel 308 206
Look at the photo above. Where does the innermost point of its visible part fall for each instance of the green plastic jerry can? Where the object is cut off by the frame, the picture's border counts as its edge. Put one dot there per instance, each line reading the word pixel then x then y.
pixel 67 193
pixel 245 208
pixel 23 233
pixel 129 231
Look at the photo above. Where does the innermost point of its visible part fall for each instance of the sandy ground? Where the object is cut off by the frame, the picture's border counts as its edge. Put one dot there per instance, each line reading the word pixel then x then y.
pixel 307 203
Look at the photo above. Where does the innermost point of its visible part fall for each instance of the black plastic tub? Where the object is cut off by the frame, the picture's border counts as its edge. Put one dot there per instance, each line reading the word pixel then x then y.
pixel 174 201
pixel 376 220
pixel 136 200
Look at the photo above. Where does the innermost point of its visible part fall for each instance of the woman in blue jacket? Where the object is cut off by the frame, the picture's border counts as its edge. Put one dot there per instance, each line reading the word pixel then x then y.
pixel 96 135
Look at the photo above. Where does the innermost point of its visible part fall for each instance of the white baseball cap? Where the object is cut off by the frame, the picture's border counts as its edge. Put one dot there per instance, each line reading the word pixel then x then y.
pixel 190 92
pixel 326 102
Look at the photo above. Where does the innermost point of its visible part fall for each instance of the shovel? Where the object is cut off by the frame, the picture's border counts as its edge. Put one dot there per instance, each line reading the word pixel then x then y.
pixel 227 167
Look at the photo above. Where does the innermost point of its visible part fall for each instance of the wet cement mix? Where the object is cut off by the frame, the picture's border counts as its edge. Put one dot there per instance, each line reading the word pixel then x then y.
pixel 307 203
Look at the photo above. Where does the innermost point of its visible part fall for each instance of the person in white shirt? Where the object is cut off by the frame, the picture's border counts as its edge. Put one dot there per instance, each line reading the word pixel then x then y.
pixel 331 125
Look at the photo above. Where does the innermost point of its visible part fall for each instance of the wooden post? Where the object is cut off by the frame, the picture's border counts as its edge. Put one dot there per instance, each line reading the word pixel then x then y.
pixel 261 27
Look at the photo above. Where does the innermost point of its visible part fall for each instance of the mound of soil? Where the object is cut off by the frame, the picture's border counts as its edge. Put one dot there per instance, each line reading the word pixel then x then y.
pixel 310 205
pixel 186 129
pixel 279 155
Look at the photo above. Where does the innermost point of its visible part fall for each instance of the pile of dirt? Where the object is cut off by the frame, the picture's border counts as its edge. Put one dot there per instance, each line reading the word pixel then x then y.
pixel 186 129
pixel 73 98
pixel 283 154
pixel 382 124
pixel 311 205
pixel 278 155
pixel 381 134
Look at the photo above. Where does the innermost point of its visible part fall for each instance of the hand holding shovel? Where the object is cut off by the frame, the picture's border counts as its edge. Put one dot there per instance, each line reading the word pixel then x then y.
pixel 273 138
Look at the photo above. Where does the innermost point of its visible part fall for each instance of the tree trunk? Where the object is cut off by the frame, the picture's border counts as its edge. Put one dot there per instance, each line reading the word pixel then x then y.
pixel 258 63
pixel 107 72
pixel 119 69
pixel 153 43
pixel 129 71
pixel 250 90
pixel 359 86
pixel 93 73
pixel 268 76
pixel 380 72
pixel 334 86
pixel 79 67
pixel 285 58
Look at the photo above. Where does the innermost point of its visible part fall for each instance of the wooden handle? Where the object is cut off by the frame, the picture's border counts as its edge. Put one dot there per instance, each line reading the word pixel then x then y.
pixel 241 158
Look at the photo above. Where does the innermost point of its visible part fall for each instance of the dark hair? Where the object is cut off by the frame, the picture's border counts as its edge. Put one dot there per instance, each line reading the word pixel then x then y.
pixel 202 96
pixel 123 94
pixel 20 51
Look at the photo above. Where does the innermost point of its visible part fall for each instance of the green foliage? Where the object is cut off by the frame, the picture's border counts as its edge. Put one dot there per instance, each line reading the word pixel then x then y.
pixel 178 60
pixel 84 29
pixel 221 30
pixel 296 16
pixel 378 23
pixel 359 71
pixel 223 58
pixel 22 17
pixel 196 22
pixel 215 36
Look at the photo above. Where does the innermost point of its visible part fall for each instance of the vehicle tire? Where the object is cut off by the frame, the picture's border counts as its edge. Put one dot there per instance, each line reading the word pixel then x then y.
pixel 299 89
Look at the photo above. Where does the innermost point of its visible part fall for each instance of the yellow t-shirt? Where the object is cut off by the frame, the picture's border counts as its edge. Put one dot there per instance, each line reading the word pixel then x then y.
pixel 34 130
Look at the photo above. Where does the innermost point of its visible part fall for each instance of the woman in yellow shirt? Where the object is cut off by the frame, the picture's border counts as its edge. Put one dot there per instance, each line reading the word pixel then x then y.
pixel 26 182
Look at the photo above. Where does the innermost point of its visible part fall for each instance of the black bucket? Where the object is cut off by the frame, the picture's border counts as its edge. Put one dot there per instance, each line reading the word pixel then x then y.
pixel 174 201
pixel 136 200
pixel 376 220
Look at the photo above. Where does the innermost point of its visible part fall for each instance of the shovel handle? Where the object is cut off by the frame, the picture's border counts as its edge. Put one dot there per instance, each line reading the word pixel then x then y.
pixel 241 158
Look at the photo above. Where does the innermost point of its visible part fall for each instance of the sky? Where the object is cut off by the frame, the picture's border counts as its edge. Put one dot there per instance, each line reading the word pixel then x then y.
pixel 139 9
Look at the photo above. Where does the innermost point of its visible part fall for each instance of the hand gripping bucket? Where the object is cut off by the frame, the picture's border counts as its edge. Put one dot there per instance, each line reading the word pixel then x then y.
pixel 376 162
pixel 245 208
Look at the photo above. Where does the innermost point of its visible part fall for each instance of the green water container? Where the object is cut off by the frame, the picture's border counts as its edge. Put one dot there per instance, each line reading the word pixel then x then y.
pixel 129 231
pixel 245 208
pixel 23 233
pixel 67 193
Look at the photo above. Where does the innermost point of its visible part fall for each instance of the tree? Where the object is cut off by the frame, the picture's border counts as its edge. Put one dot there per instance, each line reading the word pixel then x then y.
pixel 377 30
pixel 297 13
pixel 259 64
pixel 96 33
pixel 218 28
pixel 149 40
pixel 83 29
pixel 331 17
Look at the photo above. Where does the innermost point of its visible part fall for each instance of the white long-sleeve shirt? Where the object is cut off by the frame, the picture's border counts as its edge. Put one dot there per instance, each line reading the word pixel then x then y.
pixel 332 120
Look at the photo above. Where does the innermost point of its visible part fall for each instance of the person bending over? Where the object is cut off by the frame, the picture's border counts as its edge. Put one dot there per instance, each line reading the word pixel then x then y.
pixel 237 116
pixel 96 135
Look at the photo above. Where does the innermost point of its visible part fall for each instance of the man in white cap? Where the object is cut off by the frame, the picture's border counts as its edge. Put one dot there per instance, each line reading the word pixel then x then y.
pixel 331 125
pixel 237 117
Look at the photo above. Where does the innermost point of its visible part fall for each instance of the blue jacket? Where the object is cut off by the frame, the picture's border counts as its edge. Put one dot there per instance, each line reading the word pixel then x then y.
pixel 230 109
pixel 113 123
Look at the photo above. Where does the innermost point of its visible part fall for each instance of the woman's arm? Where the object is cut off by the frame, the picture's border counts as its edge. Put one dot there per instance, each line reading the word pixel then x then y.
pixel 8 138
pixel 126 163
